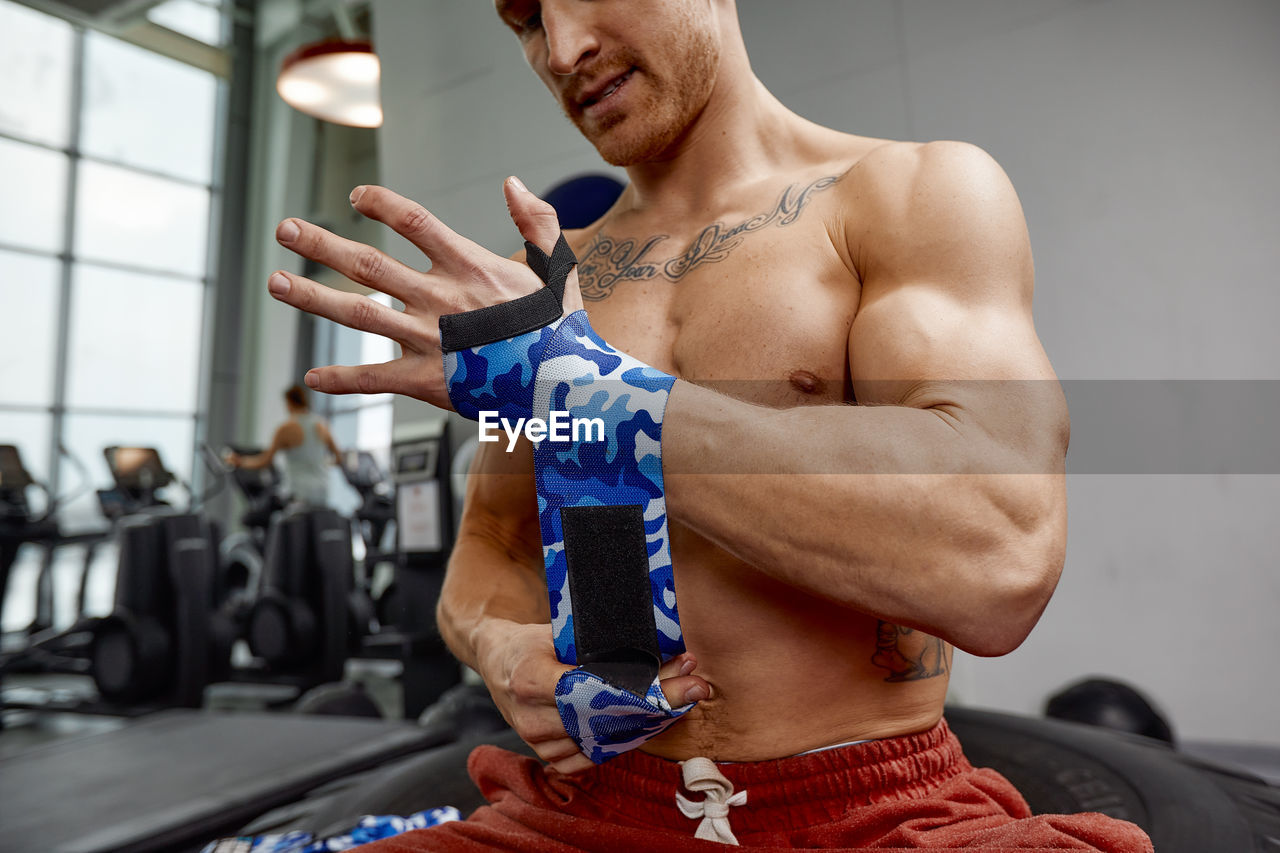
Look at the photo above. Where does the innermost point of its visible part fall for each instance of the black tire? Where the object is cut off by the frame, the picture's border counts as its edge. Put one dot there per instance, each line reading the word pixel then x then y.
pixel 1185 806
pixel 463 712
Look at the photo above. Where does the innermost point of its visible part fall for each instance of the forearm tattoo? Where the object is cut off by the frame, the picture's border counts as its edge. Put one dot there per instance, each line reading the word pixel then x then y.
pixel 605 262
pixel 908 654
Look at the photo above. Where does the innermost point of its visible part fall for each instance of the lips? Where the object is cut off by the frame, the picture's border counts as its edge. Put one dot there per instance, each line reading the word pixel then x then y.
pixel 607 87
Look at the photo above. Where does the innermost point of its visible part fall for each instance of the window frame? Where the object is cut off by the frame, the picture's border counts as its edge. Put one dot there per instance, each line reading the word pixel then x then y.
pixel 58 410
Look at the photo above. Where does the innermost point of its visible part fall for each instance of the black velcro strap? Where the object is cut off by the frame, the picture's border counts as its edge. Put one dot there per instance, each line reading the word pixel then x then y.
pixel 508 319
pixel 499 322
pixel 613 625
pixel 555 269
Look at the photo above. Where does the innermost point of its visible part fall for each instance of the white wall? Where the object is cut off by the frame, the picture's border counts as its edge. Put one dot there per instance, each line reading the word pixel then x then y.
pixel 1141 137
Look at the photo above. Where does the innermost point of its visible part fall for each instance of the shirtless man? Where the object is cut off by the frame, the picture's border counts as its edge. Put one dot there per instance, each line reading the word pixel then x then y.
pixel 820 598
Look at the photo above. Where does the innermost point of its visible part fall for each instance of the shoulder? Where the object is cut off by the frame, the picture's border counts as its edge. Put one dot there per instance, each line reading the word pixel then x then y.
pixel 289 433
pixel 914 177
pixel 911 200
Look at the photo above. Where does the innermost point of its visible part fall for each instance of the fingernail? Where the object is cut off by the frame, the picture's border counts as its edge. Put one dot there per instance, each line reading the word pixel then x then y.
pixel 312 380
pixel 688 666
pixel 696 693
pixel 287 232
pixel 356 193
pixel 515 182
pixel 278 285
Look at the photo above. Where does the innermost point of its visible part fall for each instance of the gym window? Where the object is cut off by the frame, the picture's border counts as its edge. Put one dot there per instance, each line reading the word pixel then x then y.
pixel 108 156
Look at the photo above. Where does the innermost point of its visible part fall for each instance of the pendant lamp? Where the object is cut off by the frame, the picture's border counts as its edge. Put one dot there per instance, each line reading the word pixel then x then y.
pixel 335 80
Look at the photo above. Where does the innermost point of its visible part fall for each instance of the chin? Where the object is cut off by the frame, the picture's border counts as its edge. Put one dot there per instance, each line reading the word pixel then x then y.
pixel 624 155
pixel 618 147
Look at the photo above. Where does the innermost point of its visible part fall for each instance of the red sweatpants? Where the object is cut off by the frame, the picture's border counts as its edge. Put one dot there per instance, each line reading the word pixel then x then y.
pixel 917 791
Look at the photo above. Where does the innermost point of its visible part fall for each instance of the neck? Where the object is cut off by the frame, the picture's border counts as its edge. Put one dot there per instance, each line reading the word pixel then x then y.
pixel 742 135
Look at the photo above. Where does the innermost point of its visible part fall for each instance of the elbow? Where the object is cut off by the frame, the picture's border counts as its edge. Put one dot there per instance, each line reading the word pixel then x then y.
pixel 1021 577
pixel 1005 621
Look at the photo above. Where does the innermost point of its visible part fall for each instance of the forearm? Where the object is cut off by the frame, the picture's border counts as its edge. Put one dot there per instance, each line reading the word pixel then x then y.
pixel 487 584
pixel 255 462
pixel 893 510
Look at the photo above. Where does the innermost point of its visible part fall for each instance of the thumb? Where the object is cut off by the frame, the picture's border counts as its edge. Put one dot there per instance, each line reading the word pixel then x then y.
pixel 535 218
pixel 683 689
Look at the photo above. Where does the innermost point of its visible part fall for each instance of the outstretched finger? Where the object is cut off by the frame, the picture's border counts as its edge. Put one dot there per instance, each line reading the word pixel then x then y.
pixel 401 376
pixel 362 264
pixel 415 223
pixel 351 310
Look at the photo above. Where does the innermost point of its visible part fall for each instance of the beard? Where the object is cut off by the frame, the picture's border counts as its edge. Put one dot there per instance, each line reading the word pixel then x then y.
pixel 664 102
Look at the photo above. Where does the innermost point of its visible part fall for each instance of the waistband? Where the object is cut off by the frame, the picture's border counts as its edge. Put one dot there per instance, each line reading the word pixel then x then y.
pixel 798 791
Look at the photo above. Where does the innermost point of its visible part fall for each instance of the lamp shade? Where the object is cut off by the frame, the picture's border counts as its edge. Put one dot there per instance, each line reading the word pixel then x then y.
pixel 335 80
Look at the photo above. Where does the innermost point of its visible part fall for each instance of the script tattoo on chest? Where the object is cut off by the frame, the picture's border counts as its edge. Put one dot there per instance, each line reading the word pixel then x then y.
pixel 607 262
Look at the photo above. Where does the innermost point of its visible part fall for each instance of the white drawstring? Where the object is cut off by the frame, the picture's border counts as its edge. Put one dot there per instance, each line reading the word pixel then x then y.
pixel 701 774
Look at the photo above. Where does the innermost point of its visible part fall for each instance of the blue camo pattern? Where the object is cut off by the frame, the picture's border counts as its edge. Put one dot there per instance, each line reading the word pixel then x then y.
pixel 584 376
pixel 368 828
pixel 606 720
pixel 567 367
pixel 497 377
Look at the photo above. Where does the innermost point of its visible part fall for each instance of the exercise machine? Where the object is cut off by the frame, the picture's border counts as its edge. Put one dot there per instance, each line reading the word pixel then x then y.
pixel 19 523
pixel 240 555
pixel 300 623
pixel 424 539
pixel 164 639
pixel 39 647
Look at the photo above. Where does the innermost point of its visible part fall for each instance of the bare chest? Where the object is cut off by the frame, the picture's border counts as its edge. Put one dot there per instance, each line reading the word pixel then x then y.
pixel 761 315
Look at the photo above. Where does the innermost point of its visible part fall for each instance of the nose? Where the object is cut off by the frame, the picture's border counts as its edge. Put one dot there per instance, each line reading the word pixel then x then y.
pixel 570 37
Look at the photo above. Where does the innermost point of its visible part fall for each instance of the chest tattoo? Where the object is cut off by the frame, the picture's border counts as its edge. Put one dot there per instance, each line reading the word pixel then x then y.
pixel 607 262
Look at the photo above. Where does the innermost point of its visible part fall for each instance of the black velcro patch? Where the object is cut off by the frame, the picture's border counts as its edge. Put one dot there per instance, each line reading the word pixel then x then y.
pixel 613 624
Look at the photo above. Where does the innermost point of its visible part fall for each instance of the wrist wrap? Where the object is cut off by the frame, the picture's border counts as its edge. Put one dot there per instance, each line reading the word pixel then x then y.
pixel 601 504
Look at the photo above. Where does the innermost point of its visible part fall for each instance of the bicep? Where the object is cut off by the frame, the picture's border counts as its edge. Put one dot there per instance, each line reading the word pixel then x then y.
pixel 945 320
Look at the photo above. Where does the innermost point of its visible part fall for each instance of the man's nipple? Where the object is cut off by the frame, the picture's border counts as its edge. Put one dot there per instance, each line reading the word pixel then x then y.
pixel 806 382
